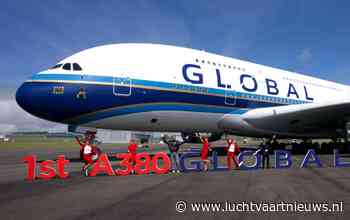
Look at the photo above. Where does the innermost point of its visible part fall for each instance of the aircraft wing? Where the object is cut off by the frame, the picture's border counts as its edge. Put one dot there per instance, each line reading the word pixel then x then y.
pixel 321 119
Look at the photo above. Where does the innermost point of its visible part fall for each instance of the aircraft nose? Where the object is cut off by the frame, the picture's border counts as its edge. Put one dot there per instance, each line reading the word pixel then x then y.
pixel 53 101
pixel 25 98
pixel 35 99
pixel 21 97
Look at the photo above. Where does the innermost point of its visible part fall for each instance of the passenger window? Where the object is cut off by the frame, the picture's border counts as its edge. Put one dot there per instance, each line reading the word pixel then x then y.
pixel 76 67
pixel 67 66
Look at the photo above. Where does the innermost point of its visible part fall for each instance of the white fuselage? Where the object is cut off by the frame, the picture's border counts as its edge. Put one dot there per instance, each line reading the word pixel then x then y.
pixel 167 88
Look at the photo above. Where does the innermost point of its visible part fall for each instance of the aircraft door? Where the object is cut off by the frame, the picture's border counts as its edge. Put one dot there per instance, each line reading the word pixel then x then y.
pixel 122 86
pixel 230 97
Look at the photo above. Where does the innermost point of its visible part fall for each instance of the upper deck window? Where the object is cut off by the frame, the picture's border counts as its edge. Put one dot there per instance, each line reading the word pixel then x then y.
pixel 76 67
pixel 67 66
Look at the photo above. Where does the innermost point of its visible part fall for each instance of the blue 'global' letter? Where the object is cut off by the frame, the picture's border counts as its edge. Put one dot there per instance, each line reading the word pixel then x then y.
pixel 307 94
pixel 219 79
pixel 199 76
pixel 283 159
pixel 196 164
pixel 216 166
pixel 271 87
pixel 255 166
pixel 311 154
pixel 253 88
pixel 337 162
pixel 292 91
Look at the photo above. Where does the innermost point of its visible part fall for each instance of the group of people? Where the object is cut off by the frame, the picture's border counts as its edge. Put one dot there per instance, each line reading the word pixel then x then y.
pixel 232 149
pixel 89 153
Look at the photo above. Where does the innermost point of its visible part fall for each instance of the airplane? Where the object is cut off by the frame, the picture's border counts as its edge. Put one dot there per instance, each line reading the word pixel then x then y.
pixel 154 87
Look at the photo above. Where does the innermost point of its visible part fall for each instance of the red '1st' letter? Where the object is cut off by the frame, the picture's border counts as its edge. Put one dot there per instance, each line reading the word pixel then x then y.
pixel 31 165
pixel 61 162
pixel 47 170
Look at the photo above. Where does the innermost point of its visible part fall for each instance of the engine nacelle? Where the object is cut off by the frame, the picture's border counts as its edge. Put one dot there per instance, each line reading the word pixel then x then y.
pixel 194 138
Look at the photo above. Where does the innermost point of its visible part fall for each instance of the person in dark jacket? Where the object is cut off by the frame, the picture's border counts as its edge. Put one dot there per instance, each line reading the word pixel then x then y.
pixel 264 150
pixel 174 146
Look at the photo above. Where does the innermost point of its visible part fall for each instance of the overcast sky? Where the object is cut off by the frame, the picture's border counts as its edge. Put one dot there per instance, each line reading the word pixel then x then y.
pixel 310 37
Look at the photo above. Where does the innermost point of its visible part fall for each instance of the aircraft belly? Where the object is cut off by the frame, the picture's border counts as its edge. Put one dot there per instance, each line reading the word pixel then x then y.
pixel 170 121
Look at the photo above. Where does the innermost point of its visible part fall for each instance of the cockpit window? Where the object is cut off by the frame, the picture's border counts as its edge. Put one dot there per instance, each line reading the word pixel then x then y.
pixel 67 66
pixel 76 67
pixel 57 66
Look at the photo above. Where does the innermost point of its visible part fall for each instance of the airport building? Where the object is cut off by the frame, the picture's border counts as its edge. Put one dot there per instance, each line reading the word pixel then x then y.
pixel 110 136
pixel 103 136
pixel 4 138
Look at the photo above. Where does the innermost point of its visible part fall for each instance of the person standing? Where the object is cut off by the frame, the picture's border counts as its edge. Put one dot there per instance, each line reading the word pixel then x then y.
pixel 132 150
pixel 204 153
pixel 265 154
pixel 89 137
pixel 82 144
pixel 174 146
pixel 233 150
pixel 88 154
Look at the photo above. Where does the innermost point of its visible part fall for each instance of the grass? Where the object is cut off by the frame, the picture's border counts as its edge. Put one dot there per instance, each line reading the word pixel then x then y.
pixel 42 142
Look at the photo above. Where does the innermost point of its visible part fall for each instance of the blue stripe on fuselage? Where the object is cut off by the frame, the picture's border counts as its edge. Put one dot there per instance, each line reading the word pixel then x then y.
pixel 109 80
pixel 102 103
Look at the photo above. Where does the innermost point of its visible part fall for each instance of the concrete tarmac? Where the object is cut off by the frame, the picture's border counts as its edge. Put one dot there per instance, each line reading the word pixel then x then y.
pixel 155 196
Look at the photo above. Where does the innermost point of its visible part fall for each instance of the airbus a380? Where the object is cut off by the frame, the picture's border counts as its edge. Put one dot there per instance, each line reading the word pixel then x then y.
pixel 151 87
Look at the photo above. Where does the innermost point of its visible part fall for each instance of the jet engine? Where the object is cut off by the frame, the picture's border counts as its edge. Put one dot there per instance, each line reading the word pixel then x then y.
pixel 194 138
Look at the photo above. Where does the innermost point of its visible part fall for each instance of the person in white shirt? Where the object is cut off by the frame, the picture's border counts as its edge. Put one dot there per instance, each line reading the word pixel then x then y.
pixel 232 151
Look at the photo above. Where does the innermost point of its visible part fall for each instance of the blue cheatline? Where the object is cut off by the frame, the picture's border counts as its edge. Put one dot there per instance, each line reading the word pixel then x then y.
pixel 101 101
pixel 172 86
